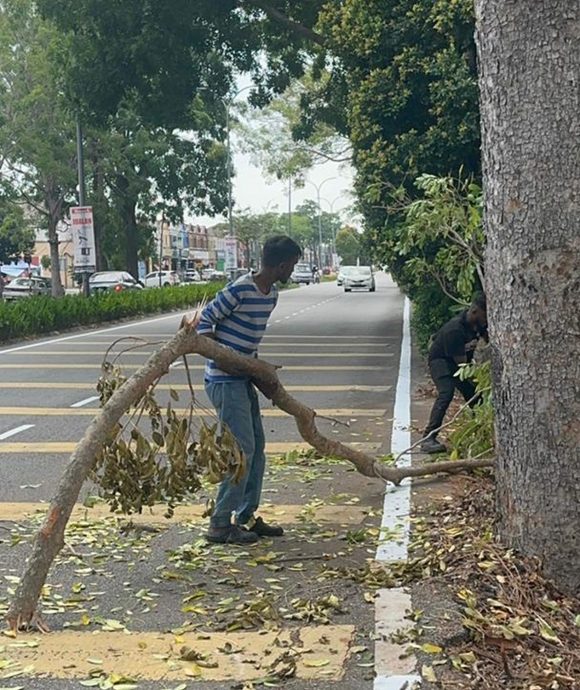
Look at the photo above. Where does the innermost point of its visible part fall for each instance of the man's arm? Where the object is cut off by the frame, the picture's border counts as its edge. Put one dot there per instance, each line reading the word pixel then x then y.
pixel 225 303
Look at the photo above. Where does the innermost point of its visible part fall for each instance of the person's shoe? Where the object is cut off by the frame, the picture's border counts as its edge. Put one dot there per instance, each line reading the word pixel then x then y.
pixel 230 535
pixel 263 529
pixel 431 446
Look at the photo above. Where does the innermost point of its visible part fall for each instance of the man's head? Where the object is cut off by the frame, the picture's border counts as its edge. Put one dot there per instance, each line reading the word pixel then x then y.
pixel 279 255
pixel 477 313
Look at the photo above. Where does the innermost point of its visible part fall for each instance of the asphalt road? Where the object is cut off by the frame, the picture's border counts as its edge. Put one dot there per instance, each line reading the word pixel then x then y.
pixel 339 354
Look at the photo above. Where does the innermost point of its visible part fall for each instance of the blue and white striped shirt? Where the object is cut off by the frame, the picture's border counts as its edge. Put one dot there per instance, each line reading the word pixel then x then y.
pixel 237 318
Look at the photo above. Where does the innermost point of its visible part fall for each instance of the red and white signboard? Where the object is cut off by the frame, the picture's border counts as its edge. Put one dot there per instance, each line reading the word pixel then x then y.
pixel 83 233
pixel 231 244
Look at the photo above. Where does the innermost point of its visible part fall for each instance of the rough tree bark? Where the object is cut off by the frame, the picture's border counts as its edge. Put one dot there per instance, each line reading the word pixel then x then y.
pixel 53 242
pixel 529 56
pixel 49 539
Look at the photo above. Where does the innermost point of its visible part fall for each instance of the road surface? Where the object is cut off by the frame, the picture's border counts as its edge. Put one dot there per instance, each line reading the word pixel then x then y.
pixel 339 354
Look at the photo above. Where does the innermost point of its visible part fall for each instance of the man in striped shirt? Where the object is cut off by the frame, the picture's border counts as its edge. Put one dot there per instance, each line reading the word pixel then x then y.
pixel 237 318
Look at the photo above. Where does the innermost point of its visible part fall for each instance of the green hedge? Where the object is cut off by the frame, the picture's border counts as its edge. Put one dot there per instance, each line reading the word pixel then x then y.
pixel 36 315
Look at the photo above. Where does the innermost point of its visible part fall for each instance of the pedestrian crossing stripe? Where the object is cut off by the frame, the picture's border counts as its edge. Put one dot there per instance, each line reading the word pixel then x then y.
pixel 287 514
pixel 266 412
pixel 67 447
pixel 320 653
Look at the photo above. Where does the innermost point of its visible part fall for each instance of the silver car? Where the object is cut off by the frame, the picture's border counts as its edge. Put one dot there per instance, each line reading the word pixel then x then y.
pixel 116 281
pixel 19 288
pixel 343 271
pixel 361 278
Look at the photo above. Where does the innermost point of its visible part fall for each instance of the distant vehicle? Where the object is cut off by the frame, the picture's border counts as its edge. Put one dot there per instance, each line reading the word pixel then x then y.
pixel 343 271
pixel 217 276
pixel 192 276
pixel 19 288
pixel 361 278
pixel 161 278
pixel 116 281
pixel 302 274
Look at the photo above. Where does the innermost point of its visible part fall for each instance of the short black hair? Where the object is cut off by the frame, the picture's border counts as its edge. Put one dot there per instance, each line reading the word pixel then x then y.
pixel 278 249
pixel 480 301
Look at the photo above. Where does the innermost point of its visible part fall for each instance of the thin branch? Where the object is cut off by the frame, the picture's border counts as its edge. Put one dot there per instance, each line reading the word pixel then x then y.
pixel 443 426
pixel 281 18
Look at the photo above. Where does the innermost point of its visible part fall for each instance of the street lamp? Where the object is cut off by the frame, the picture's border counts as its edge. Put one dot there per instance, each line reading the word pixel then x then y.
pixel 331 206
pixel 318 187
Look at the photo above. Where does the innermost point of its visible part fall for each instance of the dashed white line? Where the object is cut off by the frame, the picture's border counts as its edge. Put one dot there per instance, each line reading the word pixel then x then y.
pixel 86 401
pixel 17 430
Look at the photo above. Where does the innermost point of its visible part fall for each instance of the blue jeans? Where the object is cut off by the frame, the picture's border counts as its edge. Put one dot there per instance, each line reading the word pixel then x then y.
pixel 237 406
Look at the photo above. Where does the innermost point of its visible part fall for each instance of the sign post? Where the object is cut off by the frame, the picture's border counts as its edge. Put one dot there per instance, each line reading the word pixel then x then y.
pixel 231 262
pixel 83 233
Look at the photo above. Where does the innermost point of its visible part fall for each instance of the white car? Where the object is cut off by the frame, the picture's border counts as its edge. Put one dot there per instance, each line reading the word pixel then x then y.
pixel 343 271
pixel 361 278
pixel 161 279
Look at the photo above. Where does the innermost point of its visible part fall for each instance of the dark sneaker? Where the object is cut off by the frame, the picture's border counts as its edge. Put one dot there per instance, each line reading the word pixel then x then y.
pixel 431 446
pixel 263 529
pixel 230 535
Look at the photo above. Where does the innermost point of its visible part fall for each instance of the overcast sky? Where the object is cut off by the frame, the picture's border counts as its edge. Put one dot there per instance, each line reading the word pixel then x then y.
pixel 251 189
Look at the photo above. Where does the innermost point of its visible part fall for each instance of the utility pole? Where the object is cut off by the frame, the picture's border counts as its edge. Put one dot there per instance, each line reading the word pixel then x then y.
pixel 290 205
pixel 227 105
pixel 82 187
pixel 161 248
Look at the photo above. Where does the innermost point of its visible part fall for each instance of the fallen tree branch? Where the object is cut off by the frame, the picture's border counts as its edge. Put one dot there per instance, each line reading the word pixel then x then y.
pixel 49 539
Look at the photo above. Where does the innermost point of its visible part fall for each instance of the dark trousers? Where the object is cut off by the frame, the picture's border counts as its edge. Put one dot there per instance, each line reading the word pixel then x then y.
pixel 446 383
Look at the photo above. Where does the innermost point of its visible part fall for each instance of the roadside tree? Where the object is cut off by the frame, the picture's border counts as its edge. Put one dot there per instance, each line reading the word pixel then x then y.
pixel 531 135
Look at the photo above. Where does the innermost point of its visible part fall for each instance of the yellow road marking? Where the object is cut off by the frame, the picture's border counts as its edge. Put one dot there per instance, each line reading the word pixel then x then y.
pixel 267 412
pixel 58 447
pixel 89 385
pixel 287 514
pixel 156 656
pixel 201 367
pixel 144 353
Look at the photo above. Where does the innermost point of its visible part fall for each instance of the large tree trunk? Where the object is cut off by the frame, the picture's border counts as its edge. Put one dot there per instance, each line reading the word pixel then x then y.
pixel 530 106
pixel 127 207
pixel 57 288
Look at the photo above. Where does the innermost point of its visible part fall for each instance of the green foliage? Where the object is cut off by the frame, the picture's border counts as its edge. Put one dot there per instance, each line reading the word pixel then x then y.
pixel 434 249
pixel 37 315
pixel 348 246
pixel 474 434
pixel 165 464
pixel 164 53
pixel 16 237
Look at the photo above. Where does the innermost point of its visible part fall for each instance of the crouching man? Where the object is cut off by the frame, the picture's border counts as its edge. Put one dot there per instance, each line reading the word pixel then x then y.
pixel 453 344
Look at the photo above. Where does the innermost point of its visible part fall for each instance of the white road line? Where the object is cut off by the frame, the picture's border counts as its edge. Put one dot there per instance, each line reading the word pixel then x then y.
pixel 17 430
pixel 89 334
pixel 86 401
pixel 396 505
pixel 391 672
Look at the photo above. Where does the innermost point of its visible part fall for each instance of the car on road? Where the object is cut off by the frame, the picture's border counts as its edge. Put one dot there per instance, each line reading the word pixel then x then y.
pixel 19 288
pixel 361 278
pixel 161 279
pixel 302 273
pixel 192 276
pixel 115 281
pixel 343 271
